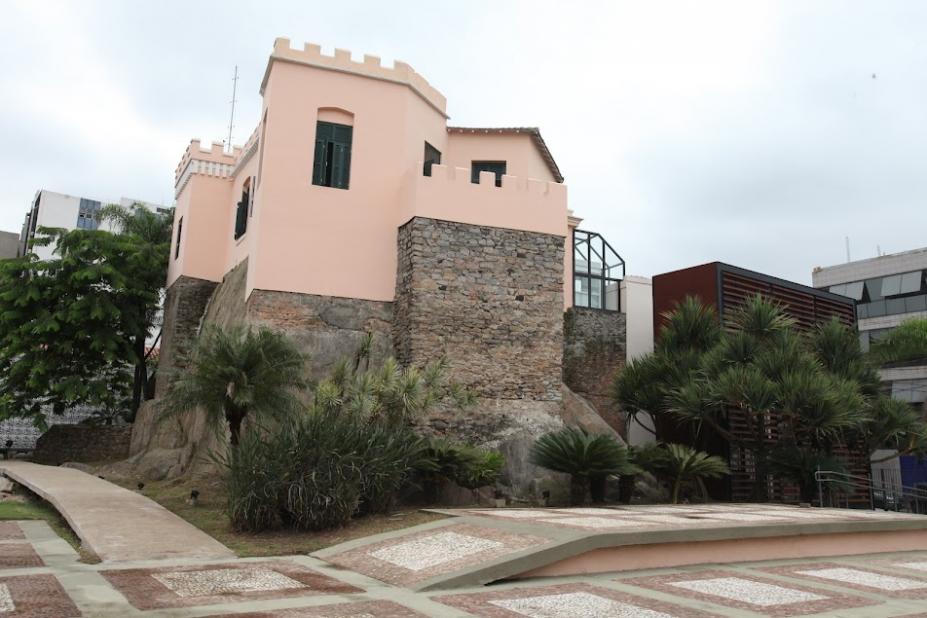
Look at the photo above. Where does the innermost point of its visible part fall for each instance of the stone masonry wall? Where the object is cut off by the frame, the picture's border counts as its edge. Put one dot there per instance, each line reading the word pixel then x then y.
pixel 491 301
pixel 82 443
pixel 594 350
pixel 184 304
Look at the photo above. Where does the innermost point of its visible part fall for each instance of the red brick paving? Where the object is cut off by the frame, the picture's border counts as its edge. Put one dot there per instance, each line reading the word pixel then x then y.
pixel 834 601
pixel 10 530
pixel 479 604
pixel 145 592
pixel 380 609
pixel 18 556
pixel 38 596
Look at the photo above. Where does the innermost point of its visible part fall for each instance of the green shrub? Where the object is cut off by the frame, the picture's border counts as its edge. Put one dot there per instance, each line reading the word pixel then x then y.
pixel 352 451
pixel 589 459
pixel 466 465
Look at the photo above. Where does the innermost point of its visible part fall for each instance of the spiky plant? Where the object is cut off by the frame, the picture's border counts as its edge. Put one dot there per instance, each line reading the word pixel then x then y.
pixel 685 464
pixel 587 458
pixel 238 372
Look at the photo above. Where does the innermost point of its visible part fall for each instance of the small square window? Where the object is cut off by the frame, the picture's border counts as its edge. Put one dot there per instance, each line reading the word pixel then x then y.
pixel 496 167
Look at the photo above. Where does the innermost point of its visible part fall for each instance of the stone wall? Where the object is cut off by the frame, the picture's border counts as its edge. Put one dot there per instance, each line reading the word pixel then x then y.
pixel 184 304
pixel 594 350
pixel 491 301
pixel 82 443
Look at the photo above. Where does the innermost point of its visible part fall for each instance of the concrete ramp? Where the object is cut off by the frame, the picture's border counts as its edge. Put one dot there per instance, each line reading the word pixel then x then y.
pixel 116 524
pixel 480 546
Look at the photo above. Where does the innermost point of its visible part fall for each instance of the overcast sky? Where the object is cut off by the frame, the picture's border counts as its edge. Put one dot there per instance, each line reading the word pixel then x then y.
pixel 756 134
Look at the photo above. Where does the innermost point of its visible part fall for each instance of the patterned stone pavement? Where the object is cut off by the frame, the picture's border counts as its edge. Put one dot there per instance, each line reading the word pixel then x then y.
pixel 40 576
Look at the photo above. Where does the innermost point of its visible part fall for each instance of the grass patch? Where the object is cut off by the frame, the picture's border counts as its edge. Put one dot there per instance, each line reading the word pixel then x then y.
pixel 25 505
pixel 210 517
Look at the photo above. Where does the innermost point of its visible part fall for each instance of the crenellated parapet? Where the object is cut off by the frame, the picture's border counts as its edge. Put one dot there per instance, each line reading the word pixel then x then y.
pixel 519 204
pixel 400 73
pixel 214 161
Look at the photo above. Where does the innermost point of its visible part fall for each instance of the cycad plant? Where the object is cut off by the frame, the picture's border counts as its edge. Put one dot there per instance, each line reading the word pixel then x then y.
pixel 588 458
pixel 684 464
pixel 239 372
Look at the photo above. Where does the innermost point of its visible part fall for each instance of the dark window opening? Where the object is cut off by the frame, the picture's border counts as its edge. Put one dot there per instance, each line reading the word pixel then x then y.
pixel 332 164
pixel 241 210
pixel 179 232
pixel 597 272
pixel 432 157
pixel 496 167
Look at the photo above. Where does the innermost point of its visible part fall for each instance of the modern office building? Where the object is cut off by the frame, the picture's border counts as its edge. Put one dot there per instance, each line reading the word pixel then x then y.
pixel 69 212
pixel 354 213
pixel 9 245
pixel 888 290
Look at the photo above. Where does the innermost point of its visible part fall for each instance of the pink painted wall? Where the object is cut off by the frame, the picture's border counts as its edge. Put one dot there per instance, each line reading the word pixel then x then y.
pixel 517 150
pixel 327 241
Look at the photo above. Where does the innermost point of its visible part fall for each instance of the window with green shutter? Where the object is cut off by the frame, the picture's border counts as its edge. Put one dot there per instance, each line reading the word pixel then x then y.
pixel 332 166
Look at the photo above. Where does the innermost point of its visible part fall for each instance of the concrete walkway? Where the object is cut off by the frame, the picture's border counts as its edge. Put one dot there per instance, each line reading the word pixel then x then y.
pixel 116 524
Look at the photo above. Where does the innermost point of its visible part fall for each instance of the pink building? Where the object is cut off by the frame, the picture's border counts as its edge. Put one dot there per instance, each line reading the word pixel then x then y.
pixel 354 210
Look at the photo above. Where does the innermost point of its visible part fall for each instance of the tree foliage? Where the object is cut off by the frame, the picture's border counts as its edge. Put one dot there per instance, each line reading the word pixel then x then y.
pixel 70 325
pixel 906 342
pixel 816 391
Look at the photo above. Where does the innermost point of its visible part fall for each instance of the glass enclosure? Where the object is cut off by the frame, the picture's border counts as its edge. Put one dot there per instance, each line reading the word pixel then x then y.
pixel 597 272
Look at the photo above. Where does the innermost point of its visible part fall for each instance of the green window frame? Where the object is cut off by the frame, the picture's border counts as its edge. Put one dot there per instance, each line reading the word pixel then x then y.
pixel 332 164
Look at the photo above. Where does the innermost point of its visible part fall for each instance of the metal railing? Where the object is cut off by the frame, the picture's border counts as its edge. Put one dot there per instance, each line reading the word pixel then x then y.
pixel 887 497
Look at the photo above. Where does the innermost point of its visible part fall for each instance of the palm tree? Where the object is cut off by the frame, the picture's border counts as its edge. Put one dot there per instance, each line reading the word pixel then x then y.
pixel 236 373
pixel 588 458
pixel 684 464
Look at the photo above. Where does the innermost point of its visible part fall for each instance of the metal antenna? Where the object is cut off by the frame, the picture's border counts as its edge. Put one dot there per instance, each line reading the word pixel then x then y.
pixel 228 143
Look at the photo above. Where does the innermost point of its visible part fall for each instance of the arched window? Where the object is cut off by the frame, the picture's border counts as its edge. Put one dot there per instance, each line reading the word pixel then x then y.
pixel 242 209
pixel 334 132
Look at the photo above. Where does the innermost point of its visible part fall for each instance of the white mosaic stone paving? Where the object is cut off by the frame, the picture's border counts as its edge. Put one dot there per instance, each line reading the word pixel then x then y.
pixel 575 605
pixel 659 510
pixel 597 523
pixel 6 601
pixel 225 581
pixel 865 578
pixel 748 591
pixel 514 513
pixel 675 519
pixel 590 511
pixel 433 550
pixel 743 517
pixel 916 566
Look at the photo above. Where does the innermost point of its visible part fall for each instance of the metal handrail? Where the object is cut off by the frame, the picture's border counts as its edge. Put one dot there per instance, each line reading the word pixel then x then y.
pixel 862 482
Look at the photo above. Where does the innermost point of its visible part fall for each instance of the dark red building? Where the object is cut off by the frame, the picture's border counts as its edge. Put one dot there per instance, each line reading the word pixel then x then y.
pixel 726 288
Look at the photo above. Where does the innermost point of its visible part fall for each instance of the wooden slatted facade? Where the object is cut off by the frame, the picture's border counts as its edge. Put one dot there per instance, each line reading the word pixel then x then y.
pixel 726 288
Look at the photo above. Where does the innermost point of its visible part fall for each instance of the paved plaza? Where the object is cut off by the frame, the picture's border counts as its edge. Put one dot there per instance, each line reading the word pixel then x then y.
pixel 41 577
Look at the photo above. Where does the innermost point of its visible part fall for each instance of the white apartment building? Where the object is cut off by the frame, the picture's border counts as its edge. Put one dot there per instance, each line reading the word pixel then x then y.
pixel 52 209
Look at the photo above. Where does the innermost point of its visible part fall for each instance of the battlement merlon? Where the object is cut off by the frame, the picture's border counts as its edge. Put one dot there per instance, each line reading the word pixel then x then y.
pixel 399 73
pixel 215 154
